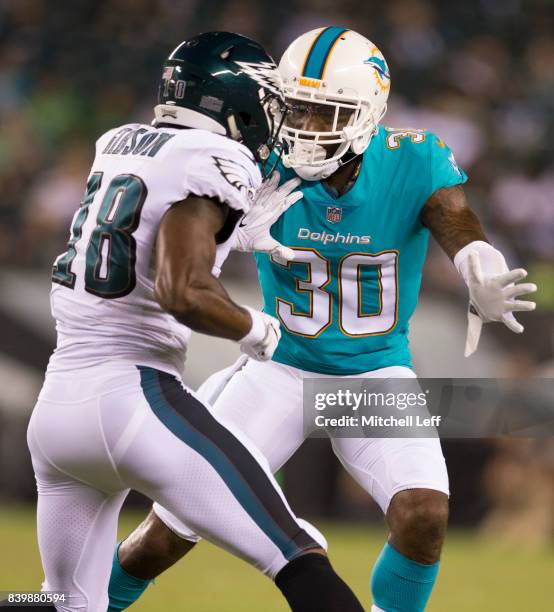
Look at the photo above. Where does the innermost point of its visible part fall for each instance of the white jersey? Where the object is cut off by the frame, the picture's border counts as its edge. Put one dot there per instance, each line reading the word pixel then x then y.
pixel 102 293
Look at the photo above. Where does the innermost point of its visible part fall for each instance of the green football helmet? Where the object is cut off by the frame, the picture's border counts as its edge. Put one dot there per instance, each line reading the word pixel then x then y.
pixel 225 83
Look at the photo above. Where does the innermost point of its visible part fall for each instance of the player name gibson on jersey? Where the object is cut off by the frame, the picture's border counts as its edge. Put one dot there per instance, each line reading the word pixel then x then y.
pixel 139 141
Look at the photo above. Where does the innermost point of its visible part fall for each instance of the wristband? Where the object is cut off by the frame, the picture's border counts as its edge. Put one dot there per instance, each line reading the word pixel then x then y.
pixel 258 330
pixel 491 259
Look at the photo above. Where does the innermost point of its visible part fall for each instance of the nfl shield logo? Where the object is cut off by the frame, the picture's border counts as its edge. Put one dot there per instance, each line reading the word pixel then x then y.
pixel 334 214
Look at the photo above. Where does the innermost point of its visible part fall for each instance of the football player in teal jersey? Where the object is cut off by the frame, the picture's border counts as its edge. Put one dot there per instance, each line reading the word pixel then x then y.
pixel 341 270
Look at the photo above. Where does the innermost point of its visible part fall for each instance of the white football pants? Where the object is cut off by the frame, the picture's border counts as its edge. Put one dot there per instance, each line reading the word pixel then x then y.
pixel 264 401
pixel 96 433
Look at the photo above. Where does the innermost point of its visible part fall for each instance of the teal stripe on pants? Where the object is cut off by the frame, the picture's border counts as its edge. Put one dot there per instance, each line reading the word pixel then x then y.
pixel 196 440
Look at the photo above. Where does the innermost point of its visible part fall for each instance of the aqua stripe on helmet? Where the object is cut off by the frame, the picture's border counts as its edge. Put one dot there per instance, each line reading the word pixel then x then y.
pixel 314 64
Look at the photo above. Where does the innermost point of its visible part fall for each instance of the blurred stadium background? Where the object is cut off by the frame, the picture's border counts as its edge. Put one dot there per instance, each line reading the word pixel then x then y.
pixel 480 73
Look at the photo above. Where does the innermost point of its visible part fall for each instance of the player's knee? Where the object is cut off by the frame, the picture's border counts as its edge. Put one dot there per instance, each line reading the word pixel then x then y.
pixel 419 516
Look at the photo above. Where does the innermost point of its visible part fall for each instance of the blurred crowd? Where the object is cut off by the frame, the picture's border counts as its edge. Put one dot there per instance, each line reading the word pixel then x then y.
pixel 480 73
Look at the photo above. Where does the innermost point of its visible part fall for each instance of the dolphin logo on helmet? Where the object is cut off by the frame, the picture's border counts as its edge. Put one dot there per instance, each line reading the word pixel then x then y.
pixel 380 66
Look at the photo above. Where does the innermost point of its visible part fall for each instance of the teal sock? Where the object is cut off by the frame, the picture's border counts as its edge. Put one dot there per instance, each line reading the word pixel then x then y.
pixel 399 584
pixel 124 589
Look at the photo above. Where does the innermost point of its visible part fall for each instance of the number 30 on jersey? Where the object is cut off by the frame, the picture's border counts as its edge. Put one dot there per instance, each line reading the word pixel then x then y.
pixel 352 319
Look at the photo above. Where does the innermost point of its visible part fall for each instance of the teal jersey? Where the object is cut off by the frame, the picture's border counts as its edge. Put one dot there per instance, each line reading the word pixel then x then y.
pixel 346 300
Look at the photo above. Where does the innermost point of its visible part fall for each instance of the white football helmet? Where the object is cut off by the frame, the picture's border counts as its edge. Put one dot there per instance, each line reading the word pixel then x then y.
pixel 337 83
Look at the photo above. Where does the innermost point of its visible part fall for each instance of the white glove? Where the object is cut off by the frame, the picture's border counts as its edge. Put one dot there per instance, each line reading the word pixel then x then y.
pixel 492 290
pixel 270 203
pixel 262 339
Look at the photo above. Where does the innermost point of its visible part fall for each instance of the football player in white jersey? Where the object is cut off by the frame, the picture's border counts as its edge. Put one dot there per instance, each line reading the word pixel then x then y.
pixel 397 187
pixel 140 272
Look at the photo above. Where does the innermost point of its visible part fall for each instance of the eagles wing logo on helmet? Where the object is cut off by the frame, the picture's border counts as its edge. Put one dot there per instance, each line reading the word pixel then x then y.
pixel 235 174
pixel 265 74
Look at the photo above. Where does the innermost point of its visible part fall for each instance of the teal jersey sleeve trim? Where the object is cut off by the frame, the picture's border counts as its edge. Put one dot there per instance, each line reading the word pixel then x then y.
pixel 445 171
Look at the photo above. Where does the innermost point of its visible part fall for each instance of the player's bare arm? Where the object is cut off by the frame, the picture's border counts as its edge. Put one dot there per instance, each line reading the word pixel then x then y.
pixel 450 219
pixel 185 286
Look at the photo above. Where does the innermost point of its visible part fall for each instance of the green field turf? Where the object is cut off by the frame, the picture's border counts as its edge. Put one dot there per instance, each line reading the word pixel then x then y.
pixel 475 576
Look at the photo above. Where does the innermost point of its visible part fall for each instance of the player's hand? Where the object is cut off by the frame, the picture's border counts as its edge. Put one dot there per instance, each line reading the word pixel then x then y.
pixel 493 296
pixel 270 203
pixel 262 339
